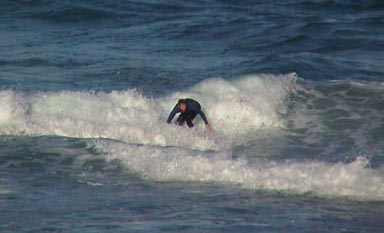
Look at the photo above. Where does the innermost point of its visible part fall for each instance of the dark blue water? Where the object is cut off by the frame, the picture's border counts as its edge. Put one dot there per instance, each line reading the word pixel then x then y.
pixel 161 46
pixel 293 89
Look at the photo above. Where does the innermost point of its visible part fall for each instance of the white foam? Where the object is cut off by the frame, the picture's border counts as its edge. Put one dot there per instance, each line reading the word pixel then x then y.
pixel 6 102
pixel 12 113
pixel 354 180
pixel 234 108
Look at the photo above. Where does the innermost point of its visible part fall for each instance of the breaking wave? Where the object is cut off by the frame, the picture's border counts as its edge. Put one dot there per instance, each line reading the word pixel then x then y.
pixel 234 108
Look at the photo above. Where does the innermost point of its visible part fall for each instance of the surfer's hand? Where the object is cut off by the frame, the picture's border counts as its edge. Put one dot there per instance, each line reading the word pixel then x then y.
pixel 209 127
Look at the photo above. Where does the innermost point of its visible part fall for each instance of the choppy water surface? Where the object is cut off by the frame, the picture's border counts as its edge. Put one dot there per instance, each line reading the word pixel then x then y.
pixel 293 91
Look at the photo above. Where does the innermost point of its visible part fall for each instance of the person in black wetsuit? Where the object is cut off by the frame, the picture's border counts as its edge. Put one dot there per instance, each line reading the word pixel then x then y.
pixel 188 108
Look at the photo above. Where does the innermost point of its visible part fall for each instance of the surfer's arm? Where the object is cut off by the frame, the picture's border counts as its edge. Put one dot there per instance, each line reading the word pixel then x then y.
pixel 207 125
pixel 172 114
pixel 202 114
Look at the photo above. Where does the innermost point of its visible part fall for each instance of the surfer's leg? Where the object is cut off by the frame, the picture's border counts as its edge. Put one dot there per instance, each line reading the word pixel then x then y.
pixel 189 120
pixel 181 119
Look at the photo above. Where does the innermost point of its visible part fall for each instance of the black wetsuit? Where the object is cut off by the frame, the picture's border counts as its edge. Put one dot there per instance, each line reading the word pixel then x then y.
pixel 192 109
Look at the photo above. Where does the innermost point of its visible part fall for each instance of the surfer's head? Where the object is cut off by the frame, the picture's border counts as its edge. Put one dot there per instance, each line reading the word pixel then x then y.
pixel 182 104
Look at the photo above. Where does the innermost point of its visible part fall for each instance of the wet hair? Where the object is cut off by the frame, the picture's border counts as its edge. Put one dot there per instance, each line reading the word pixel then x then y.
pixel 181 101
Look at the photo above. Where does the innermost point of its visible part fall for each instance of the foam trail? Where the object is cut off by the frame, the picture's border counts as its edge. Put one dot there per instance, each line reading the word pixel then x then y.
pixel 354 180
pixel 234 108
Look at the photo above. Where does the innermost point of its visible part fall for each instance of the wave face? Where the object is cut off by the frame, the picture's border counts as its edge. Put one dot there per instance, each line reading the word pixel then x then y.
pixel 277 133
pixel 337 117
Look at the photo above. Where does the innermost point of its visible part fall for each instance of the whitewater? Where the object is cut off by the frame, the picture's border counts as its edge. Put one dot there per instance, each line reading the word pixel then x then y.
pixel 133 118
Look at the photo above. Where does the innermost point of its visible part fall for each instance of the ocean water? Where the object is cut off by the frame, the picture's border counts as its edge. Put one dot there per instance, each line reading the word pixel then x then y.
pixel 293 89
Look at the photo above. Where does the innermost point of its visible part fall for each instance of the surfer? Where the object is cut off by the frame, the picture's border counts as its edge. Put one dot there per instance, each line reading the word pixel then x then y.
pixel 188 109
